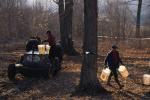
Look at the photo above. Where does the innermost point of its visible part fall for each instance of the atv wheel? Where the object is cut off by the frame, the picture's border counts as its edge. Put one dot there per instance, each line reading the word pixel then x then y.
pixel 11 72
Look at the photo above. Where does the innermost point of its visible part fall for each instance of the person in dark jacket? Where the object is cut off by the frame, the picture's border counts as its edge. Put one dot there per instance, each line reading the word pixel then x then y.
pixel 56 49
pixel 55 53
pixel 113 60
pixel 32 44
pixel 50 39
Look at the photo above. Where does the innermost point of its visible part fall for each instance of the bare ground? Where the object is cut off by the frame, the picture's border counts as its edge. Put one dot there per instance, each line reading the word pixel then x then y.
pixel 61 87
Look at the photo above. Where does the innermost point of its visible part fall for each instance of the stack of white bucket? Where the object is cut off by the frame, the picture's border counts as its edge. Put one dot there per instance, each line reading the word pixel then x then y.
pixel 43 49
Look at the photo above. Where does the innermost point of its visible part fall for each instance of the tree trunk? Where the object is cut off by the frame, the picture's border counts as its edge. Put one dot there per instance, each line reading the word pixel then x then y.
pixel 138 19
pixel 89 82
pixel 61 20
pixel 66 26
pixel 124 22
pixel 138 24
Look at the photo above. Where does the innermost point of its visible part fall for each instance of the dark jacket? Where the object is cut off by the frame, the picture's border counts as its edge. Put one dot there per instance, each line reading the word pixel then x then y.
pixel 32 44
pixel 113 59
pixel 51 40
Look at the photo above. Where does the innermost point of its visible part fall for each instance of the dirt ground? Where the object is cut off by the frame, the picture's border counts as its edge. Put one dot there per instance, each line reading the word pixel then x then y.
pixel 61 86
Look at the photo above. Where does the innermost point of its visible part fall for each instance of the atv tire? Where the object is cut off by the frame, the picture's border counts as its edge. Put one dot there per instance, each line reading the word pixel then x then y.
pixel 11 72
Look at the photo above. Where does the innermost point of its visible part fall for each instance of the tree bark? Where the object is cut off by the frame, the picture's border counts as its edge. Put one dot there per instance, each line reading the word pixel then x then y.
pixel 89 82
pixel 124 22
pixel 61 20
pixel 138 19
pixel 65 16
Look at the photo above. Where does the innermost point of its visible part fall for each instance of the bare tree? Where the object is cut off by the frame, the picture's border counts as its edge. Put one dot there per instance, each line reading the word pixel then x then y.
pixel 12 18
pixel 88 80
pixel 115 18
pixel 18 20
pixel 78 19
pixel 138 19
pixel 146 29
pixel 65 16
pixel 68 43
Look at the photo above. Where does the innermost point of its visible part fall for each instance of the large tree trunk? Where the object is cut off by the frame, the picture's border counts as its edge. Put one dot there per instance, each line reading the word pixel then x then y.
pixel 61 20
pixel 138 19
pixel 68 43
pixel 89 82
pixel 66 26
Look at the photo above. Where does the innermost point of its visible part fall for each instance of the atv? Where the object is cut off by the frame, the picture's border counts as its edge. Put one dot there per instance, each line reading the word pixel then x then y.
pixel 34 64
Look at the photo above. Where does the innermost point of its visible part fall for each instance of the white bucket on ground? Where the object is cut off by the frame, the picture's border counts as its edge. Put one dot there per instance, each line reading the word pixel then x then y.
pixel 123 71
pixel 105 74
pixel 146 79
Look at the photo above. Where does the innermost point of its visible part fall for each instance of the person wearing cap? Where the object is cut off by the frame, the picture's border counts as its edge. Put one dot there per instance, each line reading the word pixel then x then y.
pixel 113 61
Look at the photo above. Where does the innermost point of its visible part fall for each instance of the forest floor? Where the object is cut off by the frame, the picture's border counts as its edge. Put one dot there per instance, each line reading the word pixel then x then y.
pixel 62 86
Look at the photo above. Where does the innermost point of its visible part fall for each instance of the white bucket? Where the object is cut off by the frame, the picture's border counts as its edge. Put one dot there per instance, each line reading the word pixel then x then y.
pixel 41 49
pixel 123 71
pixel 47 49
pixel 105 74
pixel 146 79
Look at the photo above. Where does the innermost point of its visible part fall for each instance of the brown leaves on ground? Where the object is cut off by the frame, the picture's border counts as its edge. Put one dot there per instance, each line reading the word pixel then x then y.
pixel 61 86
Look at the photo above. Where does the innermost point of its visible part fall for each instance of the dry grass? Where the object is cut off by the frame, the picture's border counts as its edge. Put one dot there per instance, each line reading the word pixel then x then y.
pixel 61 87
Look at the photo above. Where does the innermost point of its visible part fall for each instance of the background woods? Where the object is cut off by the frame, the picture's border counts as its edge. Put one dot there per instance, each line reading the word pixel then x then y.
pixel 116 18
pixel 89 27
pixel 19 20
